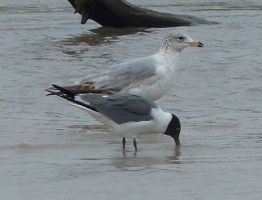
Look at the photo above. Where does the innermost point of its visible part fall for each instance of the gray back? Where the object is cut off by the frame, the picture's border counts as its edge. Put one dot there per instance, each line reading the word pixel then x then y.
pixel 120 108
pixel 124 74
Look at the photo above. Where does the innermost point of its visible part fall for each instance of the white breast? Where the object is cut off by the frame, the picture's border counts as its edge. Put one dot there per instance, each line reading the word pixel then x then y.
pixel 166 72
pixel 157 86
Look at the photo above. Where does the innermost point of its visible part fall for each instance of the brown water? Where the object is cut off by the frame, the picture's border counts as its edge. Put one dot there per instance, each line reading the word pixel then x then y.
pixel 49 150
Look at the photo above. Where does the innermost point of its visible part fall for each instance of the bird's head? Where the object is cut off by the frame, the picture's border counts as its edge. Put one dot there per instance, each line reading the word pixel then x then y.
pixel 177 41
pixel 174 129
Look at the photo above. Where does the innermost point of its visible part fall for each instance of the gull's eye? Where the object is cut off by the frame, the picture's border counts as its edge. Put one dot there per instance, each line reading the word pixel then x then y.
pixel 181 38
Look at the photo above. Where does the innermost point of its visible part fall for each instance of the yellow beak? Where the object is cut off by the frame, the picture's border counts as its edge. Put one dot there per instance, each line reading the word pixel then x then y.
pixel 196 43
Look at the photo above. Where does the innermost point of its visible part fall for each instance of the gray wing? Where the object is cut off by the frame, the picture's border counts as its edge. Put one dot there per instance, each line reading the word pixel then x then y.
pixel 125 74
pixel 120 108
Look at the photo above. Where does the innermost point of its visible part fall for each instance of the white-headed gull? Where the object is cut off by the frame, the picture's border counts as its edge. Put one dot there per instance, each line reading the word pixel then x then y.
pixel 150 76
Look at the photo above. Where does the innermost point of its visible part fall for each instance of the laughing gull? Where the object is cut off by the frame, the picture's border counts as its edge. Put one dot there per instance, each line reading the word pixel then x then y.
pixel 150 76
pixel 125 114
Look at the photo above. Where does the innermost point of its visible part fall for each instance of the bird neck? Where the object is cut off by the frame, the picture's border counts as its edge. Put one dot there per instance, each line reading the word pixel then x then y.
pixel 167 51
pixel 170 58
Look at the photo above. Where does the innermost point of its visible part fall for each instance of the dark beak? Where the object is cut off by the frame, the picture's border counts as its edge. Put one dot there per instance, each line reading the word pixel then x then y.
pixel 177 141
pixel 200 44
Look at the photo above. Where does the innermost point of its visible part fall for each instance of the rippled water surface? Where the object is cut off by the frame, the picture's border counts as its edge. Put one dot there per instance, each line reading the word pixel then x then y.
pixel 50 150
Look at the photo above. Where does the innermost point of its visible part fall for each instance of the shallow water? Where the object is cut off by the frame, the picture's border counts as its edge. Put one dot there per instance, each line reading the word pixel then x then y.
pixel 52 150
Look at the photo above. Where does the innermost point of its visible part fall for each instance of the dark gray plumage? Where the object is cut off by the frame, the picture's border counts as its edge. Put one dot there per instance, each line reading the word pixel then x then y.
pixel 120 108
pixel 125 114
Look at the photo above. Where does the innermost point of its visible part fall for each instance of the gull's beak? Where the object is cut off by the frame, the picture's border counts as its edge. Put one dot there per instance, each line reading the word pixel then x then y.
pixel 177 141
pixel 196 43
pixel 176 136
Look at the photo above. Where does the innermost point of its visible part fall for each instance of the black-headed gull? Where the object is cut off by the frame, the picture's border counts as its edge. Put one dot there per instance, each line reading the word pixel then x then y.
pixel 126 114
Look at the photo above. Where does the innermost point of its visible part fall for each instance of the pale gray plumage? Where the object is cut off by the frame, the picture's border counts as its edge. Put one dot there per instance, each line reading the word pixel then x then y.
pixel 151 76
pixel 120 76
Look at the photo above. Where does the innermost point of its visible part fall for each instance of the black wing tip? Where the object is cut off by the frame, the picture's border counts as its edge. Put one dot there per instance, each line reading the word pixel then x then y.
pixel 58 87
pixel 63 91
pixel 51 92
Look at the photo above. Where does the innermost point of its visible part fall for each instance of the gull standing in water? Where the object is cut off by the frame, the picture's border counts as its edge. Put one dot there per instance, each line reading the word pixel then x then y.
pixel 150 76
pixel 125 114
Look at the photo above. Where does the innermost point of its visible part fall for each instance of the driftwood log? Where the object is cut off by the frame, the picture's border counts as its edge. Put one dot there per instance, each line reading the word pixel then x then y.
pixel 120 13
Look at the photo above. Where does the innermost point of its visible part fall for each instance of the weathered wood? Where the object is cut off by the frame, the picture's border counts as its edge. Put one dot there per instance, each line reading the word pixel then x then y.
pixel 120 13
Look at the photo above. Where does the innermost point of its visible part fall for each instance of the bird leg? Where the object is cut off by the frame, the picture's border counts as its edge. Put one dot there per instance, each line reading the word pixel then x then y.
pixel 135 144
pixel 124 142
